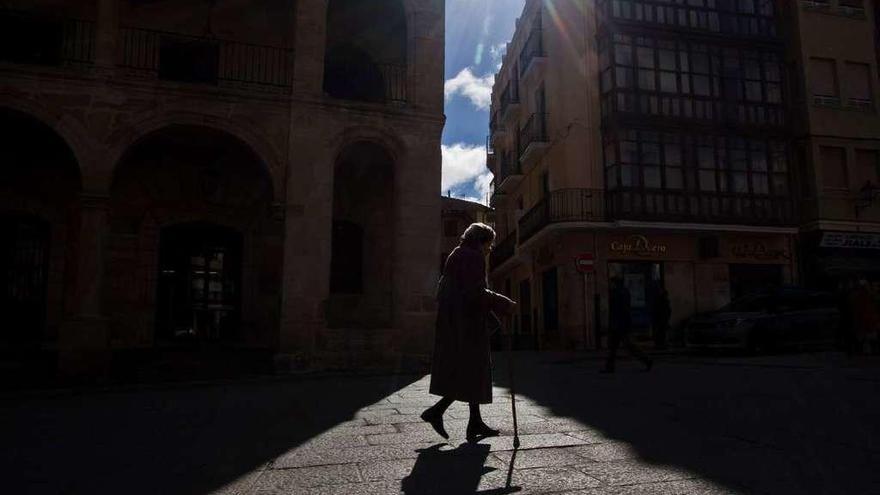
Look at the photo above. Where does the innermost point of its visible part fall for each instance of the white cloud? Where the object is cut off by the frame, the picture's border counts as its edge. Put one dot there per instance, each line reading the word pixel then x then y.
pixel 476 89
pixel 465 164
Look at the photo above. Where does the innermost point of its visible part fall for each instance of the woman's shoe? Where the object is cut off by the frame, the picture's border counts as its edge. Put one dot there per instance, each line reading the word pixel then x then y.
pixel 436 422
pixel 480 431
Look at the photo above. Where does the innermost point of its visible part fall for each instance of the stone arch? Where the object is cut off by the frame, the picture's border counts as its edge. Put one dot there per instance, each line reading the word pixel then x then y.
pixel 64 126
pixel 367 50
pixel 172 191
pixel 363 236
pixel 123 141
pixel 40 185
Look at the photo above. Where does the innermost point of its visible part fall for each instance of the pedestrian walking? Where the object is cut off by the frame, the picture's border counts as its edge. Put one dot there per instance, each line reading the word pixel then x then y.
pixel 620 326
pixel 462 367
pixel 660 314
pixel 866 318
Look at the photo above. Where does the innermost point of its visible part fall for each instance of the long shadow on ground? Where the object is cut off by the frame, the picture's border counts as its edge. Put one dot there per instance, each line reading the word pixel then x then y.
pixel 187 440
pixel 749 427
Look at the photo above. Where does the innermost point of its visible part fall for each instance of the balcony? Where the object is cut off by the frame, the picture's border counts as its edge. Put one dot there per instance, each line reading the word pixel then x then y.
pixel 202 60
pixel 510 102
pixel 839 206
pixel 689 207
pixel 47 41
pixel 564 205
pixel 509 173
pixel 533 140
pixel 532 58
pixel 497 130
pixel 502 251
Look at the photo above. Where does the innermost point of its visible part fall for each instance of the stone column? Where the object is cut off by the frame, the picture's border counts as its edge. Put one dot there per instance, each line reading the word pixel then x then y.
pixel 84 341
pixel 107 34
pixel 311 24
pixel 417 239
pixel 307 240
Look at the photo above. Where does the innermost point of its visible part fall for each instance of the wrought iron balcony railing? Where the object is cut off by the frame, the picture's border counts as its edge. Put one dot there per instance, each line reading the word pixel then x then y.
pixel 692 207
pixel 509 166
pixel 27 38
pixel 510 96
pixel 593 205
pixel 533 48
pixel 179 57
pixel 534 131
pixel 563 205
pixel 503 251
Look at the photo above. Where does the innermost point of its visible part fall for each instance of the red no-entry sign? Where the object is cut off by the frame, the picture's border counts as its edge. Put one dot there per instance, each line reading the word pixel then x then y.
pixel 585 262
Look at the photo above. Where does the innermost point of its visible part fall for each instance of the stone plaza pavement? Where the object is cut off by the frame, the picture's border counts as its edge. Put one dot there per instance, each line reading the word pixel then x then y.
pixel 794 424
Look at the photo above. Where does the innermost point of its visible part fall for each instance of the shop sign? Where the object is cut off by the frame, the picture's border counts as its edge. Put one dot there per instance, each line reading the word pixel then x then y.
pixel 850 241
pixel 638 245
pixel 759 251
pixel 585 263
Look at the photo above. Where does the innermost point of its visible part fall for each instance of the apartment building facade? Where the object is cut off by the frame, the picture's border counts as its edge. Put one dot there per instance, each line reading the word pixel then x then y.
pixel 665 157
pixel 836 137
pixel 202 174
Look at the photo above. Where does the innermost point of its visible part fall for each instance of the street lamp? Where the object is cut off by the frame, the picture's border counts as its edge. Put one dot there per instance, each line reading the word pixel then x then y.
pixel 868 194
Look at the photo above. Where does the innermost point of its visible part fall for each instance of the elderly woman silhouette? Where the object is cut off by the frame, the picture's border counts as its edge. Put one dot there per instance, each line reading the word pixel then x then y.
pixel 462 367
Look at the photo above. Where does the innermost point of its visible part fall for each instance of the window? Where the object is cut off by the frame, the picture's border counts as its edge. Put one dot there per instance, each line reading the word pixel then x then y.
pixel 867 167
pixel 833 163
pixel 194 61
pixel 857 85
pixel 823 81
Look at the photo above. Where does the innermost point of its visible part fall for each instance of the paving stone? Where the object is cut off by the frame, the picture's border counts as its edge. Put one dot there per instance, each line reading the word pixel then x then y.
pixel 386 470
pixel 361 430
pixel 553 457
pixel 371 488
pixel 633 472
pixel 683 487
pixel 285 481
pixel 540 480
pixel 544 440
pixel 319 457
pixel 240 486
pixel 611 451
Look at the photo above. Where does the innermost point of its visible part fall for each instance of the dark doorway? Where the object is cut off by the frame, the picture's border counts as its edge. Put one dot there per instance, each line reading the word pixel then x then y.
pixel 24 277
pixel 347 264
pixel 199 297
pixel 642 280
pixel 550 296
pixel 750 278
pixel 526 338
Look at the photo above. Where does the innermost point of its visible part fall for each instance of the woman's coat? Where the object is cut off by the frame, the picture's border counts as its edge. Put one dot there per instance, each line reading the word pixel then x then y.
pixel 462 368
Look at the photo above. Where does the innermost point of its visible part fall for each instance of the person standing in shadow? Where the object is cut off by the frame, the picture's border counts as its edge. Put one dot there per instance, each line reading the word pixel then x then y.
pixel 661 311
pixel 620 326
pixel 462 367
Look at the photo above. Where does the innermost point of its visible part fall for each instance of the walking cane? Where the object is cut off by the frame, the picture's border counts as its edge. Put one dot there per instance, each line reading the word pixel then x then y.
pixel 510 378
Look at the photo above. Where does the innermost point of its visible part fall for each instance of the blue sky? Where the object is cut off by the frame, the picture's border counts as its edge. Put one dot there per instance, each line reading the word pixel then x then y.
pixel 476 33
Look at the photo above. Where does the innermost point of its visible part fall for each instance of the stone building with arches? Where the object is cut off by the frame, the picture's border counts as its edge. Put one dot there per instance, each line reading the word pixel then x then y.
pixel 255 177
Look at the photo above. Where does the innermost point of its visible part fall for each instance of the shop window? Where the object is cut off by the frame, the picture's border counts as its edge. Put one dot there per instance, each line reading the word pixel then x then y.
pixel 347 260
pixel 834 172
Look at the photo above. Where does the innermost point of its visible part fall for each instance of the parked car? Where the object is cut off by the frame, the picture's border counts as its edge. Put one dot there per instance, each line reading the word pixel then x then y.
pixel 771 319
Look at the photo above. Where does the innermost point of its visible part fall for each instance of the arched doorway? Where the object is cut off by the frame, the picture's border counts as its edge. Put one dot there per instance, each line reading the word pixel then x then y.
pixel 195 253
pixel 39 186
pixel 366 49
pixel 363 238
